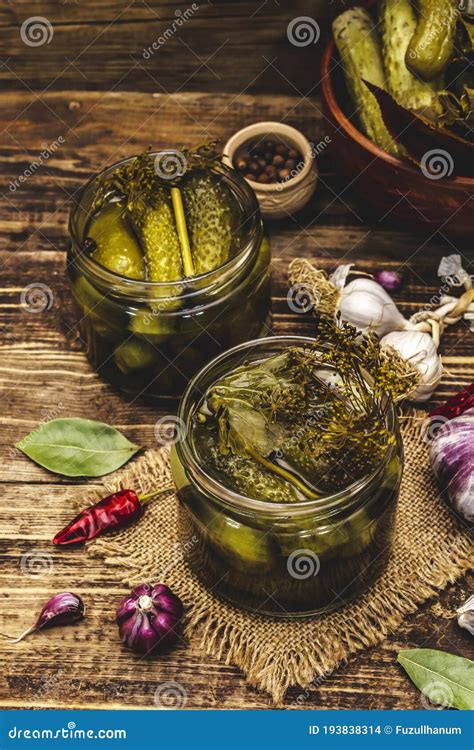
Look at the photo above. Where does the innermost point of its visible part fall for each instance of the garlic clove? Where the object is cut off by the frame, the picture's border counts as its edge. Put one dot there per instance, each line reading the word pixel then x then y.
pixel 367 306
pixel 466 615
pixel 339 276
pixel 419 349
pixel 61 609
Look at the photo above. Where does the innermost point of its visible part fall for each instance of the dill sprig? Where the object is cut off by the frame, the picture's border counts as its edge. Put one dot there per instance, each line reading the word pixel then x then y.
pixel 316 432
pixel 138 182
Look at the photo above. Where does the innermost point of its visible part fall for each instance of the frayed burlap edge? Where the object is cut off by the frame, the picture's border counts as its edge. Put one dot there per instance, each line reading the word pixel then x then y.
pixel 276 654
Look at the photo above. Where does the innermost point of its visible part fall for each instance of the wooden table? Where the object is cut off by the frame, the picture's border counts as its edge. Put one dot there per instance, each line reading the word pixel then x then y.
pixel 44 374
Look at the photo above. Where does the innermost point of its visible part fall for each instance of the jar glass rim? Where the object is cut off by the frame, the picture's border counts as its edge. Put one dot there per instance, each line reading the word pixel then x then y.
pixel 327 503
pixel 234 181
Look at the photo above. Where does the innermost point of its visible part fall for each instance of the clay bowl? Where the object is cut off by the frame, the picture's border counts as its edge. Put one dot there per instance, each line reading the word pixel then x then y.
pixel 389 187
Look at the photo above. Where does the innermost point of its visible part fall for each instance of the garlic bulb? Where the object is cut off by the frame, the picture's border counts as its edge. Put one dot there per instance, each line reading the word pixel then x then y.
pixel 451 270
pixel 362 302
pixel 452 461
pixel 419 349
pixel 367 306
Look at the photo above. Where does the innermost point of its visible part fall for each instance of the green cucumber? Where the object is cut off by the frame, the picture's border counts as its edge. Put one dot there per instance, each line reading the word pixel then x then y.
pixel 135 354
pixel 156 228
pixel 359 47
pixel 116 246
pixel 432 44
pixel 398 21
pixel 209 218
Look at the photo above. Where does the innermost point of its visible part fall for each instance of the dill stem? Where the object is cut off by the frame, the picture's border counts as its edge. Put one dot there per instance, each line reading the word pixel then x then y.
pixel 182 229
pixel 283 473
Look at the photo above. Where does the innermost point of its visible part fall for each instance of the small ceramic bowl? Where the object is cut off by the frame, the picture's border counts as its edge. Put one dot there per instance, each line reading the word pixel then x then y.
pixel 279 199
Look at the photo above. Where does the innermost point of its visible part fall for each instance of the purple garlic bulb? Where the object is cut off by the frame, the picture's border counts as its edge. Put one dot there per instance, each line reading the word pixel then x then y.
pixel 150 619
pixel 452 461
pixel 390 280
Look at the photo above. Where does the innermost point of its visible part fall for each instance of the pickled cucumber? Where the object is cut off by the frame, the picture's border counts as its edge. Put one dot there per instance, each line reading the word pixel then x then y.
pixel 209 216
pixel 241 546
pixel 116 246
pixel 155 226
pixel 249 478
pixel 134 354
pixel 398 26
pixel 105 316
pixel 359 46
pixel 326 542
pixel 153 325
pixel 150 338
pixel 432 44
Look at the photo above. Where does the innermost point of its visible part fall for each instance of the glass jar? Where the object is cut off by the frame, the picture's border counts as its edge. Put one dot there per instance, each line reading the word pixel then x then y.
pixel 149 338
pixel 282 559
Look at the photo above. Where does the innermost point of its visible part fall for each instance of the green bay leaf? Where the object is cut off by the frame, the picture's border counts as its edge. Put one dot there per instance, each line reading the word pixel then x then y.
pixel 444 678
pixel 76 447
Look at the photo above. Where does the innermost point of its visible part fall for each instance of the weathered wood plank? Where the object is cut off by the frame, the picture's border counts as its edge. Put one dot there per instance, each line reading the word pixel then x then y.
pixel 67 667
pixel 105 46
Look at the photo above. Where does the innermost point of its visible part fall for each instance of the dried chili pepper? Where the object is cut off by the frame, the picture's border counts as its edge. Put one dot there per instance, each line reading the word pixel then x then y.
pixel 111 513
pixel 456 405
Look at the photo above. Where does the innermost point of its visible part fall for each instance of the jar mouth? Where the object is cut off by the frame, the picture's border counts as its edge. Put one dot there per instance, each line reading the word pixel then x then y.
pixel 166 290
pixel 327 503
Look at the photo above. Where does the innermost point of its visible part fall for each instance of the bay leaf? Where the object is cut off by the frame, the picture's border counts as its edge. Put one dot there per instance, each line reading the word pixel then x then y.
pixel 419 136
pixel 248 428
pixel 444 678
pixel 76 447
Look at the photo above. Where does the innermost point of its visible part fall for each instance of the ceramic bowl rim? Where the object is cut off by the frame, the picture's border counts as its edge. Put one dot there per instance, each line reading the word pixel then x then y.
pixel 270 127
pixel 329 95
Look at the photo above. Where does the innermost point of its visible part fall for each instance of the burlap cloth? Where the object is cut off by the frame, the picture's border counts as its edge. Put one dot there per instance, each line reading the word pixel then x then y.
pixel 431 549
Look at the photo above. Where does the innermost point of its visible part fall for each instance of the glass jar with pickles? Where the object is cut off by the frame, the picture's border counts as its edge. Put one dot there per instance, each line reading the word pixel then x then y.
pixel 167 269
pixel 288 473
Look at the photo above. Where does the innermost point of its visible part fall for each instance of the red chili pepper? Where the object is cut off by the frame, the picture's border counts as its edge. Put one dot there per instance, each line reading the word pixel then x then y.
pixel 113 512
pixel 456 405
